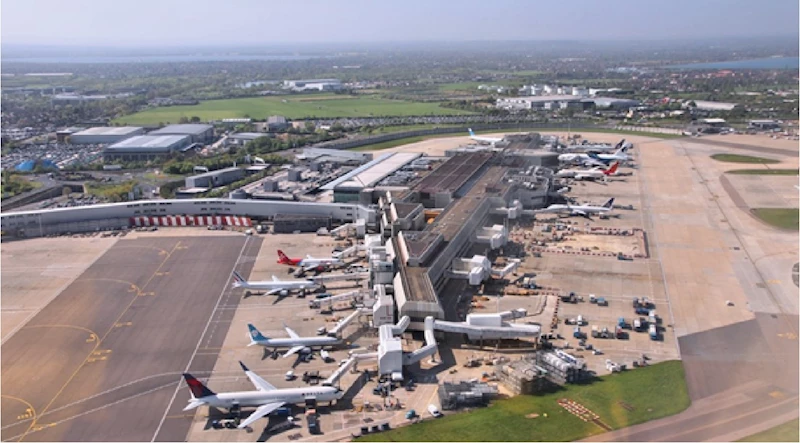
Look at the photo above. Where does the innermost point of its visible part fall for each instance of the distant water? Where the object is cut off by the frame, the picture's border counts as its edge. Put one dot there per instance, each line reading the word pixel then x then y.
pixel 158 58
pixel 759 63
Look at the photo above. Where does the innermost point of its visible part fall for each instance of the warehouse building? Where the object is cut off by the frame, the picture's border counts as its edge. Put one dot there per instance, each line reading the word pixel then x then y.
pixel 322 155
pixel 704 105
pixel 547 102
pixel 615 103
pixel 277 123
pixel 104 135
pixel 243 138
pixel 321 84
pixel 198 133
pixel 212 179
pixel 465 394
pixel 289 223
pixel 146 147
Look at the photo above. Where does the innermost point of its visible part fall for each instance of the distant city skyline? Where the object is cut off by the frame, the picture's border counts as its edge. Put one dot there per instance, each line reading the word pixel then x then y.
pixel 171 23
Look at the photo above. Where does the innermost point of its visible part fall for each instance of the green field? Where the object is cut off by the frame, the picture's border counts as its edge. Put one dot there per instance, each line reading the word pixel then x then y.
pixel 780 218
pixel 789 431
pixel 764 172
pixel 736 158
pixel 620 400
pixel 289 106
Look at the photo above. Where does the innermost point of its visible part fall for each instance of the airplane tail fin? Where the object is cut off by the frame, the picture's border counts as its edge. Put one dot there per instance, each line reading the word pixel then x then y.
pixel 275 278
pixel 197 388
pixel 282 258
pixel 612 169
pixel 255 334
pixel 471 134
pixel 238 279
pixel 619 151
pixel 609 204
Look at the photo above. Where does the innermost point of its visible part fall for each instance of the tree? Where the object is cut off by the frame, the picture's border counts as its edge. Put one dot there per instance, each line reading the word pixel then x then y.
pixel 183 120
pixel 195 119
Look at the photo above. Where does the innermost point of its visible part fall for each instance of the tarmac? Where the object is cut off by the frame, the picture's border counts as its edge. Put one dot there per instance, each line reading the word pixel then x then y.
pixel 97 363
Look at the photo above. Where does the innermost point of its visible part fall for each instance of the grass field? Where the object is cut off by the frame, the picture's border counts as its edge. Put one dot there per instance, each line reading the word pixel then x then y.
pixel 736 158
pixel 289 106
pixel 789 431
pixel 620 400
pixel 780 218
pixel 764 172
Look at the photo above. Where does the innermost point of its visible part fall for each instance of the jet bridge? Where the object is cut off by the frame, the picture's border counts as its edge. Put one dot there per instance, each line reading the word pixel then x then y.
pixel 428 350
pixel 351 295
pixel 359 228
pixel 346 321
pixel 491 326
pixel 327 278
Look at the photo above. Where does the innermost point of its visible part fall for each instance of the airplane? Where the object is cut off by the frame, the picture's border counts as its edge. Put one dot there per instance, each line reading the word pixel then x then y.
pixel 266 396
pixel 618 155
pixel 484 140
pixel 583 159
pixel 578 210
pixel 274 286
pixel 594 173
pixel 308 263
pixel 591 147
pixel 295 343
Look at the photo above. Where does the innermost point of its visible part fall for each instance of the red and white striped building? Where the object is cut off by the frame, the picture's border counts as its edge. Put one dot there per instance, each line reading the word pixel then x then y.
pixel 191 220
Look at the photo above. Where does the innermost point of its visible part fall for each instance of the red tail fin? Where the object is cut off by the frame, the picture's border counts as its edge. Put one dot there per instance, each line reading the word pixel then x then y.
pixel 612 169
pixel 282 258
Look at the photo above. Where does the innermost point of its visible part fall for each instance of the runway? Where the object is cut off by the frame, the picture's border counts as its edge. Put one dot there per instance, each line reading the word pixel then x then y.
pixel 101 362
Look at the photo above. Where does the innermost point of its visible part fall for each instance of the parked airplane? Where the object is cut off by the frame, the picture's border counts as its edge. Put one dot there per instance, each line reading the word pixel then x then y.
pixel 484 140
pixel 618 155
pixel 295 343
pixel 266 396
pixel 274 286
pixel 582 159
pixel 308 263
pixel 579 210
pixel 593 147
pixel 594 173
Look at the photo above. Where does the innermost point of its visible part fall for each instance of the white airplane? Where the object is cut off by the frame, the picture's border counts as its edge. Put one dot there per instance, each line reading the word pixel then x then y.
pixel 579 210
pixel 618 155
pixel 266 396
pixel 484 140
pixel 295 343
pixel 274 286
pixel 582 159
pixel 592 174
pixel 591 147
pixel 308 263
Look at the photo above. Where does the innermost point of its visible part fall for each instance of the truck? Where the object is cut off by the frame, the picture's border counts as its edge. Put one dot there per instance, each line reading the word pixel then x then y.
pixel 577 333
pixel 641 310
pixel 313 422
pixel 653 331
pixel 570 298
pixel 261 229
pixel 639 325
pixel 621 323
pixel 620 333
pixel 652 317
pixel 434 410
pixel 601 301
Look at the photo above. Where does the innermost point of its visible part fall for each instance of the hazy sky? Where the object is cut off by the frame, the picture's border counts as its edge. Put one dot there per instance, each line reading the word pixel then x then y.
pixel 230 22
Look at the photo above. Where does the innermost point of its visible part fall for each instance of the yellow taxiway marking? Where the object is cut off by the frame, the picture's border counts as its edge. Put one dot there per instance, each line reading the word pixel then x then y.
pixel 122 325
pixel 777 394
pixel 773 282
pixel 33 425
pixel 30 411
pixel 788 336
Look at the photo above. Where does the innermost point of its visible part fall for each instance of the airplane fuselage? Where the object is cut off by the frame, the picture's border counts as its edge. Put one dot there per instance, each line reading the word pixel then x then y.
pixel 301 341
pixel 258 398
pixel 288 285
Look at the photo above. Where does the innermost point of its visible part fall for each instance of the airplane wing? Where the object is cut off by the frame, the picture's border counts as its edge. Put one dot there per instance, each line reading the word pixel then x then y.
pixel 292 351
pixel 260 384
pixel 291 332
pixel 262 411
pixel 275 291
pixel 579 212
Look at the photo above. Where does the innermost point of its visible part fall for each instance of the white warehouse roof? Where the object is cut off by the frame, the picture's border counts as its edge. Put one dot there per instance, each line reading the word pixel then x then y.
pixel 110 130
pixel 148 142
pixel 371 173
pixel 194 129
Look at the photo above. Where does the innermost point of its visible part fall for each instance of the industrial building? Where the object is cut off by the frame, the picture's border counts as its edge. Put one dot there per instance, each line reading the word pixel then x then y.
pixel 104 135
pixel 322 84
pixel 615 103
pixel 547 102
pixel 197 133
pixel 242 138
pixel 277 123
pixel 322 155
pixel 763 124
pixel 212 179
pixel 465 394
pixel 146 147
pixel 704 105
pixel 289 223
pixel 538 371
pixel 348 187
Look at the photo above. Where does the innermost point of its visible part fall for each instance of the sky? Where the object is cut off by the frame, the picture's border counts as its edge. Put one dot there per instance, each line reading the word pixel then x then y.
pixel 171 23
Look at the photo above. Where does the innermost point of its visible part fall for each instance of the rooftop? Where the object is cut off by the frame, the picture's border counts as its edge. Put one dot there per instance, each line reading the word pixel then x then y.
pixel 247 135
pixel 109 130
pixel 453 173
pixel 371 173
pixel 193 129
pixel 150 142
pixel 216 172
